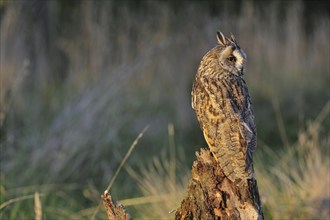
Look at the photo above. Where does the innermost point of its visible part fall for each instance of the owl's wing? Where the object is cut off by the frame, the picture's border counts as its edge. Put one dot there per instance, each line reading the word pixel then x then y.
pixel 242 105
pixel 250 130
pixel 196 100
pixel 241 109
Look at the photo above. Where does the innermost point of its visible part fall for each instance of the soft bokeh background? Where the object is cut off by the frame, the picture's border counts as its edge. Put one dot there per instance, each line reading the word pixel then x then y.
pixel 81 79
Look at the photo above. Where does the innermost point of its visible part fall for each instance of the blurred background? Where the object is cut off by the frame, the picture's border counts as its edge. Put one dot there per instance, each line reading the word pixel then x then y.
pixel 81 79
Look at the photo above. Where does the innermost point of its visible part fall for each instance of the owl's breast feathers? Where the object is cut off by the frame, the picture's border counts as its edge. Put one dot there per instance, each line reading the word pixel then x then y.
pixel 224 111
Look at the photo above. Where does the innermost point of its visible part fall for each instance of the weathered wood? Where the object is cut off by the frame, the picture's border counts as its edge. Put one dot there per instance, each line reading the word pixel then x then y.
pixel 211 195
pixel 114 211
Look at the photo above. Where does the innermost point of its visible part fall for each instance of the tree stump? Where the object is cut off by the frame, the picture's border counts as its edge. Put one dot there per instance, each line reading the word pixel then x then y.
pixel 114 211
pixel 211 195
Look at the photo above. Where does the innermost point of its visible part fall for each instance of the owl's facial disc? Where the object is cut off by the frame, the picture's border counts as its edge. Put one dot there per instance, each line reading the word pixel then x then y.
pixel 233 59
pixel 240 59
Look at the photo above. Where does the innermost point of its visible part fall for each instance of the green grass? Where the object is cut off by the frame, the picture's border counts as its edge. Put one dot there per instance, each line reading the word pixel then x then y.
pixel 79 81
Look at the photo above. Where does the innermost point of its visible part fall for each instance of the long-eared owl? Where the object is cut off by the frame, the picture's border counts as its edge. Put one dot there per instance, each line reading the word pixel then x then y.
pixel 223 107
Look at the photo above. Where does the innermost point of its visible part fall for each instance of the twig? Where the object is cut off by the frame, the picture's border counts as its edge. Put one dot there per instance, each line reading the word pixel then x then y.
pixel 135 142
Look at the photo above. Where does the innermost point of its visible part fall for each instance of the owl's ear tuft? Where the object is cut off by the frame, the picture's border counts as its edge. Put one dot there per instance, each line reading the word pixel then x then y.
pixel 221 39
pixel 233 39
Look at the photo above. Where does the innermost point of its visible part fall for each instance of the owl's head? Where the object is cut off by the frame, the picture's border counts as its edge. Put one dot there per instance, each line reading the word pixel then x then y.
pixel 231 58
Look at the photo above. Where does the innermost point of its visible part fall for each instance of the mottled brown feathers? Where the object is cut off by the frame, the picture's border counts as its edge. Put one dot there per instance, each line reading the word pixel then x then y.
pixel 223 108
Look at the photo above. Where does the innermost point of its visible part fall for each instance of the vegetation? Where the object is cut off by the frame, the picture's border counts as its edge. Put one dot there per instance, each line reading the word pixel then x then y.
pixel 81 79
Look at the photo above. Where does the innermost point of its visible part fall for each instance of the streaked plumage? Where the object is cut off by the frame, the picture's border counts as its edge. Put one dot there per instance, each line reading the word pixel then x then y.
pixel 223 107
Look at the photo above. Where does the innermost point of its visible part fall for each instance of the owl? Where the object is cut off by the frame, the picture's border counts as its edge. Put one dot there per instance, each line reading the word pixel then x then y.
pixel 223 108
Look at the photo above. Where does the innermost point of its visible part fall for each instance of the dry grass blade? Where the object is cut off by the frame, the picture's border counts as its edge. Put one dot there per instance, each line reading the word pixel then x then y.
pixel 3 205
pixel 280 123
pixel 37 206
pixel 126 157
pixel 323 114
pixel 172 168
pixel 146 199
pixel 135 142
pixel 42 188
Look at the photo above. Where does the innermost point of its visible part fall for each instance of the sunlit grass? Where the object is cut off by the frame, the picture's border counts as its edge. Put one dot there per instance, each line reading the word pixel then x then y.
pixel 162 182
pixel 296 185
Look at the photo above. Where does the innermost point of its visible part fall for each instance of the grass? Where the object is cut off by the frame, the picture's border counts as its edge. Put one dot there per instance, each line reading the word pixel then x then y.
pixel 298 178
pixel 80 80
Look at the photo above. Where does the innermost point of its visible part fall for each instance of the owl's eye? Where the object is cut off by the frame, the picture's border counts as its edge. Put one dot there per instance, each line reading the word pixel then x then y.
pixel 232 59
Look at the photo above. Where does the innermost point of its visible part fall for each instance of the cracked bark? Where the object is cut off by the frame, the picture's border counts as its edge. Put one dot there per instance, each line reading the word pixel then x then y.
pixel 211 195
